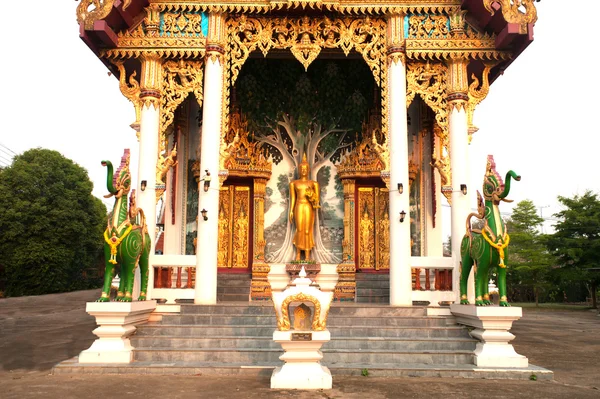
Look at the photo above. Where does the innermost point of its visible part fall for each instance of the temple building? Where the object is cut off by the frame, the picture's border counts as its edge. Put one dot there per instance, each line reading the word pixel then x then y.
pixel 240 104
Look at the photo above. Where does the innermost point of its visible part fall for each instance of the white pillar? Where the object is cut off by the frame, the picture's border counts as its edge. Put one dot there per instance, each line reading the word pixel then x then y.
pixel 459 162
pixel 400 268
pixel 151 83
pixel 146 200
pixel 207 246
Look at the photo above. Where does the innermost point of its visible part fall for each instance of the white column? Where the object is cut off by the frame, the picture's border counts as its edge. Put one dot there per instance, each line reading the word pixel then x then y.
pixel 146 200
pixel 400 268
pixel 206 253
pixel 459 162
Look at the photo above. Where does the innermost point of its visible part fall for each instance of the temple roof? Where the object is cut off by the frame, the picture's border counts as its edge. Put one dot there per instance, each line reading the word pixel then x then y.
pixel 511 26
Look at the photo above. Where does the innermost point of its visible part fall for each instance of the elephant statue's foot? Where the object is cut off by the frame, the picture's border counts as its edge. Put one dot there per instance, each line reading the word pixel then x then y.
pixel 142 298
pixel 103 299
pixel 464 301
pixel 479 303
pixel 504 303
pixel 486 302
pixel 127 298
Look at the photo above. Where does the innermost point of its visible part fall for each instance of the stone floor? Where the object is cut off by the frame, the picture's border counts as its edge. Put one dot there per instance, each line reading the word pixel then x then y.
pixel 38 332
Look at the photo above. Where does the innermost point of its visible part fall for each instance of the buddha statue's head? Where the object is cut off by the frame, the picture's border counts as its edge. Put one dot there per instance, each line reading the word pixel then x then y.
pixel 304 167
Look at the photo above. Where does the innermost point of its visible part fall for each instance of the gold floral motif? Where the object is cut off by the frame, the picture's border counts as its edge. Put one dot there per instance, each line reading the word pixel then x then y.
pixel 383 231
pixel 240 156
pixel 283 323
pixel 369 157
pixel 179 79
pixel 428 26
pixel 240 232
pixel 429 38
pixel 305 37
pixel 428 81
pixel 181 37
pixel 511 11
pixel 224 228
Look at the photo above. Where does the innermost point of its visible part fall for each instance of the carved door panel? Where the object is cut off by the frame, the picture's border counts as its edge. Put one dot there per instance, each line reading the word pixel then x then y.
pixel 373 223
pixel 234 227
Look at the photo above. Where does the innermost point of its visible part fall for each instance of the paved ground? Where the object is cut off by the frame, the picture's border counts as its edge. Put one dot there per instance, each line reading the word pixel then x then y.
pixel 38 332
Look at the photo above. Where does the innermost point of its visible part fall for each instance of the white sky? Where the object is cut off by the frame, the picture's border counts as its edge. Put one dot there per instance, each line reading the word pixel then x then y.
pixel 537 119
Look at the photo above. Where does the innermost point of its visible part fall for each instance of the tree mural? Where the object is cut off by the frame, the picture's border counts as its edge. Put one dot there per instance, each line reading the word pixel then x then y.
pixel 292 111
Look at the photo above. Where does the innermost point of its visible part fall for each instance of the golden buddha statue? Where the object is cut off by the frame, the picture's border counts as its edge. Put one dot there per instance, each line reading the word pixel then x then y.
pixel 304 200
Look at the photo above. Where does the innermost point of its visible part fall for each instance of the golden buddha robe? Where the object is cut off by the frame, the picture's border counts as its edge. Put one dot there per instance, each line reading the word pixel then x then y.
pixel 304 199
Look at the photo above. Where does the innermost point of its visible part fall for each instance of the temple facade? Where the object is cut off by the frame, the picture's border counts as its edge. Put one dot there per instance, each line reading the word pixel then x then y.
pixel 378 97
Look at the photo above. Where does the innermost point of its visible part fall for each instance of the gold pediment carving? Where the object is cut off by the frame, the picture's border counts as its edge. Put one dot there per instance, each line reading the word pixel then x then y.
pixel 240 155
pixel 369 157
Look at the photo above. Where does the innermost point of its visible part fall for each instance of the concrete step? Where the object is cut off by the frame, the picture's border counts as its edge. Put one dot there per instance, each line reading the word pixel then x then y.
pixel 333 321
pixel 360 344
pixel 71 366
pixel 372 276
pixel 155 329
pixel 341 309
pixel 330 356
pixel 373 299
pixel 233 297
pixel 373 292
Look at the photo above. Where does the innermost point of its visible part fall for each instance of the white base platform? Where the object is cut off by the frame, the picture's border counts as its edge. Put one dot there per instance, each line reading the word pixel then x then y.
pixel 302 368
pixel 301 376
pixel 492 324
pixel 117 321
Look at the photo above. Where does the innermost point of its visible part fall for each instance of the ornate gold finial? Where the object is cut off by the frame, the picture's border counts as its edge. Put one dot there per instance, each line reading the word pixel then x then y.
pixel 511 10
pixel 304 161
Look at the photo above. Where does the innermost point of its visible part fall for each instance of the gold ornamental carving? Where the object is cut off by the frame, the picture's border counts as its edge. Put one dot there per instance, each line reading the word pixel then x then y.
pixel 283 323
pixel 130 88
pixel 369 157
pixel 477 93
pixel 305 37
pixel 240 156
pixel 180 36
pixel 373 7
pixel 180 78
pixel 521 12
pixel 428 81
pixel 90 11
pixel 373 228
pixel 447 35
pixel 234 227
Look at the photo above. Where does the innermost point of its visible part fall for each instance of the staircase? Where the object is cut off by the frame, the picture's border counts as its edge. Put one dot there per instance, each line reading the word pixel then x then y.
pixel 237 338
pixel 372 288
pixel 233 287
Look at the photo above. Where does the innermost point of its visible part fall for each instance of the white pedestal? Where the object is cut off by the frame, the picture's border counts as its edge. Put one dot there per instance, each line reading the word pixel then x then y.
pixel 492 324
pixel 116 321
pixel 302 368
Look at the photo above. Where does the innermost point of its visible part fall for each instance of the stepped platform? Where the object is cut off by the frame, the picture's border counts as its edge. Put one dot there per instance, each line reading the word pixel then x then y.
pixel 236 339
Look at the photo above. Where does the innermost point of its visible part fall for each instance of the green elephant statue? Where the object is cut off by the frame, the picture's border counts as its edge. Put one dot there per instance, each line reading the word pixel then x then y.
pixel 126 239
pixel 487 248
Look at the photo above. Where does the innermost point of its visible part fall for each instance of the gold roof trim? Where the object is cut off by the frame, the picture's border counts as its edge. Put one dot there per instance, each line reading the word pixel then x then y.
pixel 346 7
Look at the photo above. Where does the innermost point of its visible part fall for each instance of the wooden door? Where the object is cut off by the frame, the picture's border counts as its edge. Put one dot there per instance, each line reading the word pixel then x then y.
pixel 373 235
pixel 234 249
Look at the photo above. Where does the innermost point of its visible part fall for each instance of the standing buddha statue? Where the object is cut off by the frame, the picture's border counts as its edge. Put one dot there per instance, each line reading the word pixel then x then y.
pixel 304 200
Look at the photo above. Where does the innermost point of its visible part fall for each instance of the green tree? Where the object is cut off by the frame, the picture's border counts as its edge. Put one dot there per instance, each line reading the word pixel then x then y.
pixel 51 225
pixel 530 263
pixel 576 241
